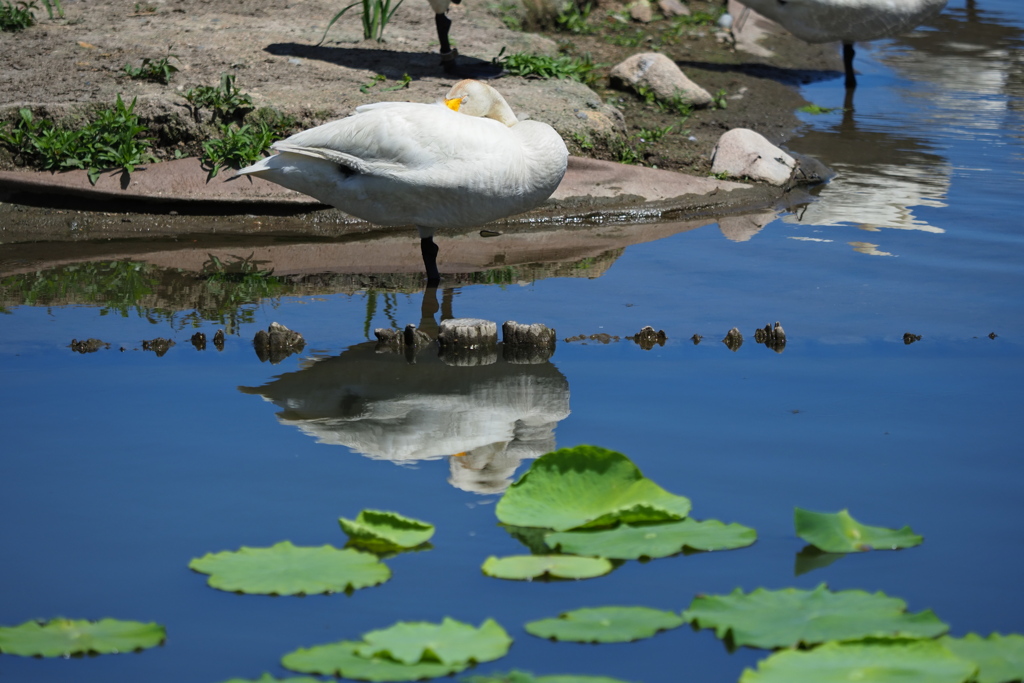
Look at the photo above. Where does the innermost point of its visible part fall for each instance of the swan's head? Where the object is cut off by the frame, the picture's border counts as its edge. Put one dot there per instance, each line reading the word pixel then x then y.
pixel 475 98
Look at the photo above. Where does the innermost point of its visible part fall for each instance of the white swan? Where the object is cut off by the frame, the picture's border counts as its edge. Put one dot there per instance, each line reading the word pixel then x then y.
pixel 847 21
pixel 457 164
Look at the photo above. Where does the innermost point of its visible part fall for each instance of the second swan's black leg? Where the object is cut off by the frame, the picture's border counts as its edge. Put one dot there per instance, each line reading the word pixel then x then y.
pixel 851 79
pixel 429 251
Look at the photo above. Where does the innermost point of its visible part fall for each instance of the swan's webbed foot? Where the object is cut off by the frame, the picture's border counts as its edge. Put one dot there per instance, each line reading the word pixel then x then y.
pixel 429 251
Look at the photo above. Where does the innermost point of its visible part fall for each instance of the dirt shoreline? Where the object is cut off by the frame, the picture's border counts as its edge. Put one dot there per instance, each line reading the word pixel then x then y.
pixel 62 68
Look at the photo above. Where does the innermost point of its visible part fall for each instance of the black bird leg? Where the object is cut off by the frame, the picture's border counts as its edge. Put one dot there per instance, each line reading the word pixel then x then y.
pixel 447 53
pixel 851 79
pixel 429 251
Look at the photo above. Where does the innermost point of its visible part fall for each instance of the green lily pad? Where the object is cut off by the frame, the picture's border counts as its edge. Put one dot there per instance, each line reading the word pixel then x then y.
pixel 789 617
pixel 535 566
pixel 605 624
pixel 627 542
pixel 340 659
pixel 285 569
pixel 267 678
pixel 922 661
pixel 61 637
pixel 379 528
pixel 841 533
pixel 999 658
pixel 586 486
pixel 450 642
pixel 516 676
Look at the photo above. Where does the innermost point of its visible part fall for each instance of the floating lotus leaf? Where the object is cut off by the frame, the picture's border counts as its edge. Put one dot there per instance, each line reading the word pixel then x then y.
pixel 789 617
pixel 61 637
pixel 267 678
pixel 557 566
pixel 375 528
pixel 999 658
pixel 285 569
pixel 628 542
pixel 605 624
pixel 898 661
pixel 586 486
pixel 516 676
pixel 841 533
pixel 340 659
pixel 450 642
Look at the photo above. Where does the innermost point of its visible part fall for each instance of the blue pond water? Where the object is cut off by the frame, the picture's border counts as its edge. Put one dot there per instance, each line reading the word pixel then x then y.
pixel 119 467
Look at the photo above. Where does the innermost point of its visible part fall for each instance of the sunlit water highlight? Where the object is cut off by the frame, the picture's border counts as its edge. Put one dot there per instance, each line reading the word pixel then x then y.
pixel 119 467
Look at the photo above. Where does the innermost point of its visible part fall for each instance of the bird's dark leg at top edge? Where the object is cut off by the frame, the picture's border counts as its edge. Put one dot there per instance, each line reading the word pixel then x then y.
pixel 447 54
pixel 429 251
pixel 851 79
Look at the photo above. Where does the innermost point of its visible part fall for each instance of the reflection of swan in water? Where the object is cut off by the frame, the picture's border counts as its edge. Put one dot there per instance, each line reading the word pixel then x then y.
pixel 882 174
pixel 385 407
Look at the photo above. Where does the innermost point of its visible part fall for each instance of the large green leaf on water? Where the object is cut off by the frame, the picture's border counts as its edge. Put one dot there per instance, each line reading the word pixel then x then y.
pixel 586 486
pixel 407 651
pixel 628 542
pixel 789 617
pixel 62 637
pixel 285 569
pixel 898 661
pixel 340 659
pixel 516 676
pixel 267 678
pixel 450 642
pixel 605 624
pixel 523 567
pixel 1000 659
pixel 840 533
pixel 379 528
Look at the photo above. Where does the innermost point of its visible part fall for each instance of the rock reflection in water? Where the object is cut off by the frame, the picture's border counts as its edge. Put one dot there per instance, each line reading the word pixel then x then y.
pixel 485 418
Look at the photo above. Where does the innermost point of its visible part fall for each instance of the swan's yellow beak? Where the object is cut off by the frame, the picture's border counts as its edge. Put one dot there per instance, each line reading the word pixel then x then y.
pixel 463 453
pixel 453 103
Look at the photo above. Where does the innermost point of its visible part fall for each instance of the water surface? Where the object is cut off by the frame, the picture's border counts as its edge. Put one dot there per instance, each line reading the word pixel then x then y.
pixel 120 466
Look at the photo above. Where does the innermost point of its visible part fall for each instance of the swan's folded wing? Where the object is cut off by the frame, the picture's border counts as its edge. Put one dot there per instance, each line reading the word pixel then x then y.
pixel 334 156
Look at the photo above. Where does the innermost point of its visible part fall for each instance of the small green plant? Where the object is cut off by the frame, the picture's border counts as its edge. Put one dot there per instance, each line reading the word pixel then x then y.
pixel 158 71
pixel 543 66
pixel 649 136
pixel 676 104
pixel 376 15
pixel 632 39
pixel 112 140
pixel 237 146
pixel 53 5
pixel 815 109
pixel 575 18
pixel 225 100
pixel 16 17
pixel 584 141
pixel 719 101
pixel 381 78
pixel 508 12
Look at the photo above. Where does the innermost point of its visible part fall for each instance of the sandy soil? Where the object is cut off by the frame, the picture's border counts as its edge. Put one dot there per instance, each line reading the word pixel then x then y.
pixel 61 68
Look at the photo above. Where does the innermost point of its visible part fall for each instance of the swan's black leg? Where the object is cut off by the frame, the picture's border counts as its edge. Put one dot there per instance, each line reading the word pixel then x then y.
pixel 447 53
pixel 429 251
pixel 851 79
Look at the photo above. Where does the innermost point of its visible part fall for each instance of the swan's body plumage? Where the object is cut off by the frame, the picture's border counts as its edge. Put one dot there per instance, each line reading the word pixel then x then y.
pixel 401 163
pixel 847 21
